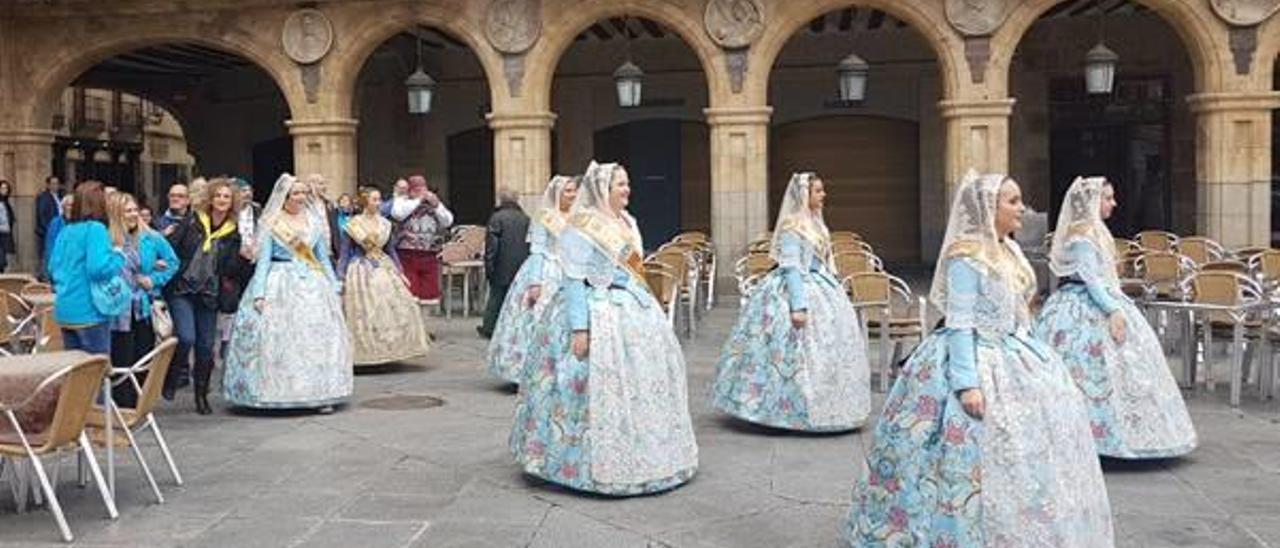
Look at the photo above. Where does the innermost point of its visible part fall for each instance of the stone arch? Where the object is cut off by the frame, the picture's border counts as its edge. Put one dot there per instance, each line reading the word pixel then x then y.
pixel 1200 31
pixel 1268 52
pixel 372 30
pixel 560 31
pixel 62 65
pixel 924 18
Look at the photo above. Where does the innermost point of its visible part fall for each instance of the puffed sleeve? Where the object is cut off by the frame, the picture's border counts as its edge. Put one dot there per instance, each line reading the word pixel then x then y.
pixel 537 251
pixel 790 260
pixel 963 284
pixel 258 284
pixel 1090 272
pixel 577 253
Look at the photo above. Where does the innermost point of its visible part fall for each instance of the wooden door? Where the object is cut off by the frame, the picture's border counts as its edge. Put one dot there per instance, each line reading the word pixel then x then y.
pixel 870 166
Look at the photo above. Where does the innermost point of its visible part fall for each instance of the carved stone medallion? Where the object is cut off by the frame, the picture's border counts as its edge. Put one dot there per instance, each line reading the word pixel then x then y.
pixel 734 23
pixel 977 17
pixel 513 26
pixel 1245 13
pixel 307 36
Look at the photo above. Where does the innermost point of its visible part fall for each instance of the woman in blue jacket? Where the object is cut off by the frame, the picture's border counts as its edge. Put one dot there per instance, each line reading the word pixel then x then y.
pixel 82 256
pixel 149 264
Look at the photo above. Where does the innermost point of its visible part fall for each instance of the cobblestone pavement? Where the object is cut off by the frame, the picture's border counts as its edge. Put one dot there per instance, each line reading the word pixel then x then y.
pixel 373 475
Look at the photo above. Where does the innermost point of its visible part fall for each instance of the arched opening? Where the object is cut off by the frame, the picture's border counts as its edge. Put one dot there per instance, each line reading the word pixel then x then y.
pixel 156 115
pixel 451 144
pixel 663 141
pixel 879 156
pixel 1140 135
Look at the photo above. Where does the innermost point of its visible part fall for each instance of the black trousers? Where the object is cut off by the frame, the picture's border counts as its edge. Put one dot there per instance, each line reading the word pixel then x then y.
pixel 127 347
pixel 497 296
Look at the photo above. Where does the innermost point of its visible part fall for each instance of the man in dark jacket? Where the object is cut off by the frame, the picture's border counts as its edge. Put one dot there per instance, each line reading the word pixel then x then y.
pixel 505 250
pixel 48 207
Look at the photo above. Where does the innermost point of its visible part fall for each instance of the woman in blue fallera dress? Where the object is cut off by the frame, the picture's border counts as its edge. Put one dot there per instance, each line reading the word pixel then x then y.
pixel 984 440
pixel 797 358
pixel 605 408
pixel 289 342
pixel 1135 408
pixel 534 285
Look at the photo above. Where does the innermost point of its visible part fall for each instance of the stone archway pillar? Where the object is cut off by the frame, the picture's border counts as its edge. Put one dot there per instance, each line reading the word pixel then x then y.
pixel 739 181
pixel 1233 166
pixel 326 147
pixel 26 158
pixel 977 138
pixel 522 153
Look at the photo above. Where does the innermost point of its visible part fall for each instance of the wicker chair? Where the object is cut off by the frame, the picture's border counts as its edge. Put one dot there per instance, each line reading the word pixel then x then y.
pixel 856 262
pixel 851 246
pixel 664 283
pixel 1225 266
pixel 1266 269
pixel 1157 240
pixel 845 236
pixel 13 283
pixel 1200 250
pixel 1225 288
pixel 80 383
pixel 1163 273
pixel 889 312
pixel 685 266
pixel 130 422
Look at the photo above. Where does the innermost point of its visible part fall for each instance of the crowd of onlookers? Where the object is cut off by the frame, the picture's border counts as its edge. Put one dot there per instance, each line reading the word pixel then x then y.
pixel 120 271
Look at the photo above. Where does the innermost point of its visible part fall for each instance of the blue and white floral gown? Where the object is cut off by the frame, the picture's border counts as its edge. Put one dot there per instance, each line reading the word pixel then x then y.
pixel 1135 408
pixel 618 422
pixel 815 378
pixel 1024 475
pixel 513 342
pixel 297 352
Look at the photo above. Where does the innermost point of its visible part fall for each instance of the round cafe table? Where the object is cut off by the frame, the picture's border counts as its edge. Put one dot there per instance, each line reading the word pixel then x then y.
pixel 20 375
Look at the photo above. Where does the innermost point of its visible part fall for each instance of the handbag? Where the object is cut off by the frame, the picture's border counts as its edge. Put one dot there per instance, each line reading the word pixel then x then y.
pixel 161 319
pixel 112 297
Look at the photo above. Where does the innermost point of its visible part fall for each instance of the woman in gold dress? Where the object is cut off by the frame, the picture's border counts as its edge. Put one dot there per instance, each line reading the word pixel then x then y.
pixel 384 318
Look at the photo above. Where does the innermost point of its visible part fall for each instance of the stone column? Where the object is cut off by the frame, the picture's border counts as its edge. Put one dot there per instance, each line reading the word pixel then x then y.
pixel 522 153
pixel 977 138
pixel 1233 166
pixel 327 147
pixel 26 158
pixel 739 182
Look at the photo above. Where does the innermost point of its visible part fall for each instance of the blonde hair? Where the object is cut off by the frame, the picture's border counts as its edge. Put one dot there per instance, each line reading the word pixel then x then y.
pixel 117 203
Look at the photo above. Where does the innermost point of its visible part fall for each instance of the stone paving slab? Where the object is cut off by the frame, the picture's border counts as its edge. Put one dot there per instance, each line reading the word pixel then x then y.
pixel 442 477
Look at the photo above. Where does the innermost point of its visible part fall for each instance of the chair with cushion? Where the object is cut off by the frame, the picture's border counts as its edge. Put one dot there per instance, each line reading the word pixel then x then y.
pixel 77 385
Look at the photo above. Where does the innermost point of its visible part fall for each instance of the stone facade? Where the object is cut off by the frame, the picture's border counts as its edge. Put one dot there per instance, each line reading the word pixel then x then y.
pixel 1228 97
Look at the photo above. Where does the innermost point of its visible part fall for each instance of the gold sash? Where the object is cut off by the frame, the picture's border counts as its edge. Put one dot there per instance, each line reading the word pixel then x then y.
pixel 613 240
pixel 552 220
pixel 292 238
pixel 370 235
pixel 1002 262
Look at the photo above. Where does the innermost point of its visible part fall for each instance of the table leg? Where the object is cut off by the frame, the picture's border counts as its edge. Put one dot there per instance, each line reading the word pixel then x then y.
pixel 466 293
pixel 1237 361
pixel 1188 350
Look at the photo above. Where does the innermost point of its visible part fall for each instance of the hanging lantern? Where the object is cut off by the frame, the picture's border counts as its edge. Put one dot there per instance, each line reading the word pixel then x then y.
pixel 630 81
pixel 852 72
pixel 420 87
pixel 1100 69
